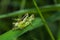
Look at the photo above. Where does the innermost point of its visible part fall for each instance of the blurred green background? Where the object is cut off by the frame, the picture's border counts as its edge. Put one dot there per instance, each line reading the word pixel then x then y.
pixel 46 25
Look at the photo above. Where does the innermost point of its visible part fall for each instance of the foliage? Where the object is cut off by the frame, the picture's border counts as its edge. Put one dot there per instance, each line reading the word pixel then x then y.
pixel 46 25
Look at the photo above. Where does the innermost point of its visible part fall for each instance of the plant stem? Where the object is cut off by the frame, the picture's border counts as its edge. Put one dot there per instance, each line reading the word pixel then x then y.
pixel 44 21
pixel 23 4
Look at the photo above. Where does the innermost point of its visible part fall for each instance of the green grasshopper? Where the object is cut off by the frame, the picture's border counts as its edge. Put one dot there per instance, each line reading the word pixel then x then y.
pixel 24 21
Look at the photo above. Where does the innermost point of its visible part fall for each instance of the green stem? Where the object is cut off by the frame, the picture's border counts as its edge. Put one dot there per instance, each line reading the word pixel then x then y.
pixel 23 4
pixel 44 21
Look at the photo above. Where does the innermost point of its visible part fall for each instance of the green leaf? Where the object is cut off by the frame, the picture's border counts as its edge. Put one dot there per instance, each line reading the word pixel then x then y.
pixel 12 34
pixel 43 9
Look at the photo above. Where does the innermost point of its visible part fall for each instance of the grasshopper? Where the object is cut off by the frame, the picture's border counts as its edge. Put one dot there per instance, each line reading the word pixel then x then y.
pixel 24 21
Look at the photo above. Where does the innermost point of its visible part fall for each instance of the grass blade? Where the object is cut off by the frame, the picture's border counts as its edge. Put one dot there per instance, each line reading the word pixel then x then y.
pixel 10 35
pixel 43 9
pixel 44 21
